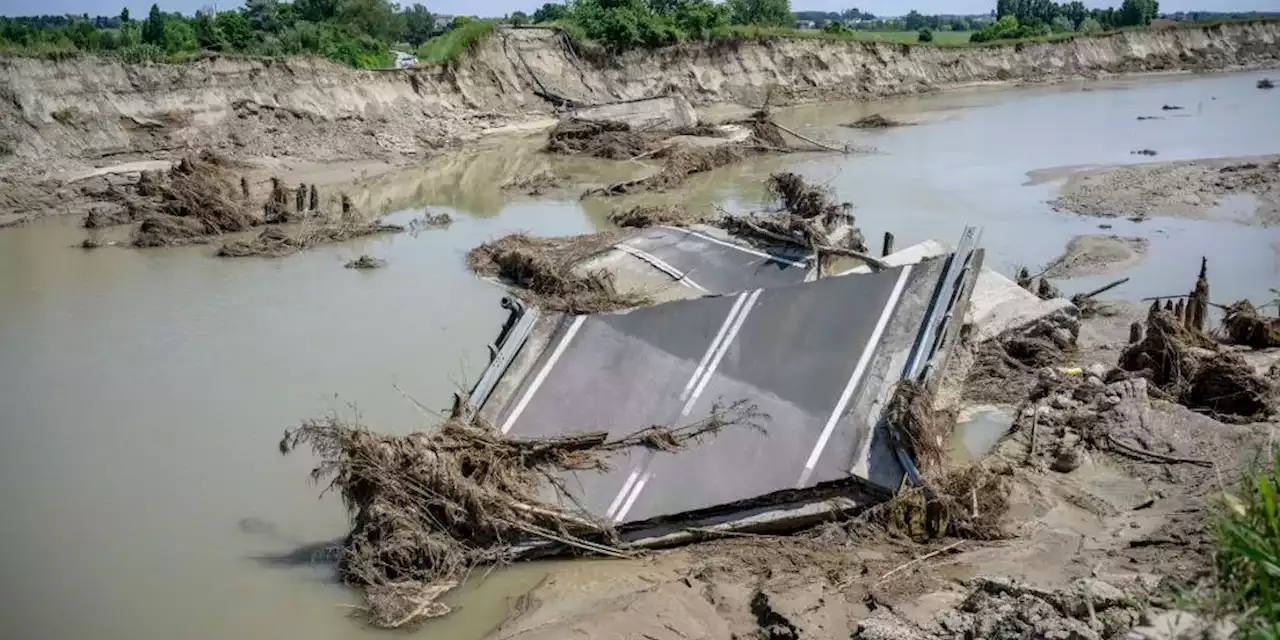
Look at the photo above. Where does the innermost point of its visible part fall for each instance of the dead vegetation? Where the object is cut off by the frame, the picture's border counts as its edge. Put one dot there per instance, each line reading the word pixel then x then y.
pixel 366 261
pixel 1243 324
pixel 810 218
pixel 1266 83
pixel 430 506
pixel 277 242
pixel 618 140
pixel 1190 368
pixel 544 272
pixel 876 121
pixel 678 166
pixel 652 215
pixel 535 184
pixel 199 196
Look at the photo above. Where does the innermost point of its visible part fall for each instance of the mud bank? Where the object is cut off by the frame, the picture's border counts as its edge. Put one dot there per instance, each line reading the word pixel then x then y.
pixel 323 111
pixel 1093 255
pixel 1242 189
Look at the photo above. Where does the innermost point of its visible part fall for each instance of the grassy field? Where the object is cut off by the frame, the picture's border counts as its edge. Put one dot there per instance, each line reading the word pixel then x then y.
pixel 939 37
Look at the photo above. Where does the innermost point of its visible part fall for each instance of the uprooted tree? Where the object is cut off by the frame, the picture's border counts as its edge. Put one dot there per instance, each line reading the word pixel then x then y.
pixel 431 505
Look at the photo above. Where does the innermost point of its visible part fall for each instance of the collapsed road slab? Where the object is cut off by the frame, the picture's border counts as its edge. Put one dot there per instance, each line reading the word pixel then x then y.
pixel 820 358
pixel 671 263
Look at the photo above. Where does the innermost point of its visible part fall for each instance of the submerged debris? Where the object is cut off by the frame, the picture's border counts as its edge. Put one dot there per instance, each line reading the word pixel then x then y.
pixel 1144 152
pixel 1150 118
pixel 600 139
pixel 275 242
pixel 1171 107
pixel 680 164
pixel 543 270
pixel 876 121
pixel 649 215
pixel 1266 83
pixel 431 221
pixel 1245 325
pixel 535 184
pixel 366 261
pixel 431 505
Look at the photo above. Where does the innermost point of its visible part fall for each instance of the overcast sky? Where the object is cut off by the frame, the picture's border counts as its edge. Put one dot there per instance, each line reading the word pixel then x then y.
pixel 502 7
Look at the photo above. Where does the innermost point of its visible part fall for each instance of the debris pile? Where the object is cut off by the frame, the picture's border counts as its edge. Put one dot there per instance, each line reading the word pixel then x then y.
pixel 649 215
pixel 876 121
pixel 679 165
pixel 431 505
pixel 810 218
pixel 366 261
pixel 197 197
pixel 534 184
pixel 1266 83
pixel 544 271
pixel 276 242
pixel 1243 324
pixel 1006 367
pixel 1190 368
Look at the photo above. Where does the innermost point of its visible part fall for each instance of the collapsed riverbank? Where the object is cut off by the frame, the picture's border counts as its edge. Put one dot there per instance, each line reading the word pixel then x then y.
pixel 110 112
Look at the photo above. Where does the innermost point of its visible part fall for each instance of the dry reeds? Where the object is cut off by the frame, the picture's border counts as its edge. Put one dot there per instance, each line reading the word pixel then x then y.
pixel 431 505
pixel 544 271
pixel 643 216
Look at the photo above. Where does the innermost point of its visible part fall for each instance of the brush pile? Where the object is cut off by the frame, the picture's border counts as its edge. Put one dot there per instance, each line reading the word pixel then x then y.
pixel 543 272
pixel 197 197
pixel 1243 324
pixel 276 242
pixel 875 121
pixel 603 139
pixel 366 261
pixel 534 184
pixel 1190 368
pixel 648 215
pixel 430 506
pixel 679 165
pixel 811 218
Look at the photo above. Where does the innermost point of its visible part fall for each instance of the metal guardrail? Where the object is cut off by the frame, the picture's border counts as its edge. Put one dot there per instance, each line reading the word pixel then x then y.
pixel 512 337
pixel 923 362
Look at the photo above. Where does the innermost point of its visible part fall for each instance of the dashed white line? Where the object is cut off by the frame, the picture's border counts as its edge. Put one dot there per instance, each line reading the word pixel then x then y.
pixel 723 348
pixel 711 348
pixel 731 245
pixel 622 513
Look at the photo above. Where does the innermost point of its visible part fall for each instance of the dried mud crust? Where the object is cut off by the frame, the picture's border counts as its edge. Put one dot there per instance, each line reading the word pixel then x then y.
pixel 1091 255
pixel 1189 189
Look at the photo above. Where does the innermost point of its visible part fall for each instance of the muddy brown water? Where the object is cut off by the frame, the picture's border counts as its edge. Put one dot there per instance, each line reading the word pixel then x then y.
pixel 142 392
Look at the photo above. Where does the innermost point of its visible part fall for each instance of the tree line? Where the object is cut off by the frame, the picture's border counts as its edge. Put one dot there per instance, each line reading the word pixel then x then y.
pixel 356 32
pixel 1031 18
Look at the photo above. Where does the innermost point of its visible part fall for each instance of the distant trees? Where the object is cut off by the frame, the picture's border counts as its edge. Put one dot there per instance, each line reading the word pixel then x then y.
pixel 419 24
pixel 1131 12
pixel 153 26
pixel 550 12
pixel 767 13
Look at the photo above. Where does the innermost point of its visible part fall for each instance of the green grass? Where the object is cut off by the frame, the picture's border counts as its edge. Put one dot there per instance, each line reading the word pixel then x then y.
pixel 451 45
pixel 1249 552
pixel 939 37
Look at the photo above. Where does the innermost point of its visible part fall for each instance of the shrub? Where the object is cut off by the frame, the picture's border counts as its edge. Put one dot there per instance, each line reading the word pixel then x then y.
pixel 925 35
pixel 1248 541
pixel 460 37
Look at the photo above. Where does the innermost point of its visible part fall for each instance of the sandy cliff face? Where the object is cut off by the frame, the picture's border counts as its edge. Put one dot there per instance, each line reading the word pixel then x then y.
pixel 56 114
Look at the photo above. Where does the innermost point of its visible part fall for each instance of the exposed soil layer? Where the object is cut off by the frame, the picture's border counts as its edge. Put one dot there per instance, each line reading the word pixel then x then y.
pixel 248 107
pixel 1190 189
pixel 1092 255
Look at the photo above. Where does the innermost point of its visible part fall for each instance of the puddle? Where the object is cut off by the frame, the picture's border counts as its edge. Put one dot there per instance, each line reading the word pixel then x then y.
pixel 978 431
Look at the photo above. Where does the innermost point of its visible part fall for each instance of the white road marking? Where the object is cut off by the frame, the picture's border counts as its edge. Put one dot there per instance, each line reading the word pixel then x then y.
pixel 542 375
pixel 731 245
pixel 856 377
pixel 661 265
pixel 724 347
pixel 711 348
pixel 626 488
pixel 622 513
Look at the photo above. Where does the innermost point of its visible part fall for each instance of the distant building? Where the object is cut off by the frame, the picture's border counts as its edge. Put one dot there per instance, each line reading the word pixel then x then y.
pixel 442 22
pixel 805 24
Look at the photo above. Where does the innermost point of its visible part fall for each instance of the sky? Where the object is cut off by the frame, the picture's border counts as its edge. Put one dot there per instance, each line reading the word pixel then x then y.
pixel 503 7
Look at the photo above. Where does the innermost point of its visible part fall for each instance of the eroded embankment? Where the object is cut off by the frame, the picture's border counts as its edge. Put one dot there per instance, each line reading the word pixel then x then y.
pixel 58 114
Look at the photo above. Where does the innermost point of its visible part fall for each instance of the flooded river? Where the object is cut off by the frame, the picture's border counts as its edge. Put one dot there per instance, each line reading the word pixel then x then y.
pixel 142 393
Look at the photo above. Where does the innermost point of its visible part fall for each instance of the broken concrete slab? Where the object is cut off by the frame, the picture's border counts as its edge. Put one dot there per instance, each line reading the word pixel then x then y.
pixel 663 112
pixel 999 307
pixel 669 263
